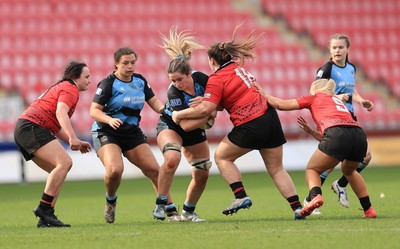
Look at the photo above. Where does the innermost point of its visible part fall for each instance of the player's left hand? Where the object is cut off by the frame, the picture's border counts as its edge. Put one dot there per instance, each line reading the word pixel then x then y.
pixel 368 105
pixel 84 147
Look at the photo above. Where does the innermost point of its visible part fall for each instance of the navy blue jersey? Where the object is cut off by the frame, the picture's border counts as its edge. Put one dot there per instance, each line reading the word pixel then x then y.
pixel 179 100
pixel 123 100
pixel 344 78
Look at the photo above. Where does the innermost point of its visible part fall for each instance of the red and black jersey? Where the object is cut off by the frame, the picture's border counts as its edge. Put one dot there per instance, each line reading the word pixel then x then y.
pixel 43 110
pixel 233 87
pixel 327 111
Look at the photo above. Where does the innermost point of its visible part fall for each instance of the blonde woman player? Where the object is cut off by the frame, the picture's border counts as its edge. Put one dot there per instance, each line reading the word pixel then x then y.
pixel 343 141
pixel 187 138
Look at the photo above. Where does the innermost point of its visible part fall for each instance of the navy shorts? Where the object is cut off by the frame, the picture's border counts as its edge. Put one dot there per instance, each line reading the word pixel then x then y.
pixel 262 132
pixel 188 138
pixel 344 142
pixel 126 141
pixel 29 137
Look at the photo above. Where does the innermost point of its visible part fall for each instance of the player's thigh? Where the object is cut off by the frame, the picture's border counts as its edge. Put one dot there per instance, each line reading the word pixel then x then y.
pixel 197 151
pixel 52 155
pixel 142 156
pixel 226 150
pixel 321 162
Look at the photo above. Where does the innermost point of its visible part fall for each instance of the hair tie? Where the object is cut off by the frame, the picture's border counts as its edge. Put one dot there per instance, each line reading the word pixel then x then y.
pixel 221 46
pixel 180 56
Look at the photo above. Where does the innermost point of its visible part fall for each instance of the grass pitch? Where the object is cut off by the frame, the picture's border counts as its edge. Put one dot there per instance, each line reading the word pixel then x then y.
pixel 267 224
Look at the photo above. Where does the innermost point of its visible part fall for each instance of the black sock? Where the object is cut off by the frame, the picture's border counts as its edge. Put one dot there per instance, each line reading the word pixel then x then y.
pixel 365 203
pixel 294 202
pixel 46 201
pixel 238 190
pixel 161 200
pixel 322 180
pixel 342 182
pixel 314 192
pixel 188 209
pixel 171 208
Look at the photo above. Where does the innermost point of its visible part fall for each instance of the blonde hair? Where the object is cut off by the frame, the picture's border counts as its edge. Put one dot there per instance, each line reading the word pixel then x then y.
pixel 179 47
pixel 223 52
pixel 323 86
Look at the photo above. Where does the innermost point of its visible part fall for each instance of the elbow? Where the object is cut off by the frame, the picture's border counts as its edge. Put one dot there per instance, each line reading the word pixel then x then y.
pixel 204 110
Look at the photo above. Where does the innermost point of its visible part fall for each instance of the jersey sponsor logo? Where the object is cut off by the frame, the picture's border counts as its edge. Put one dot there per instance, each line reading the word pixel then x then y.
pixel 207 95
pixel 99 91
pixel 175 102
pixel 319 73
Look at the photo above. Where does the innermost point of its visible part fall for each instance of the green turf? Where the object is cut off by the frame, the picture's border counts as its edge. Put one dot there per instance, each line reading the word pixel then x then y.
pixel 268 224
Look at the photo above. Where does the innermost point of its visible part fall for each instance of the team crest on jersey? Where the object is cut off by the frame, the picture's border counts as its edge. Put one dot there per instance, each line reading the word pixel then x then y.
pixel 175 102
pixel 207 95
pixel 99 91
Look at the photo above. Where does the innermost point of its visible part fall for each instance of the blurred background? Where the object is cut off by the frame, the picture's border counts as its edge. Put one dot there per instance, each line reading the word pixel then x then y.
pixel 38 37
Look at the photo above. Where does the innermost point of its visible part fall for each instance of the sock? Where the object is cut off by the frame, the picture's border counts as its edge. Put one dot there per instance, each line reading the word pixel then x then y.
pixel 361 166
pixel 365 203
pixel 189 207
pixel 314 192
pixel 46 201
pixel 342 182
pixel 294 202
pixel 238 190
pixel 170 208
pixel 323 177
pixel 162 199
pixel 111 199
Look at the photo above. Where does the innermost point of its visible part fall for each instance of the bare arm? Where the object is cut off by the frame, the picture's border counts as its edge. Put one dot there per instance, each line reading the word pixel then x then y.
pixel 156 104
pixel 203 110
pixel 367 104
pixel 283 104
pixel 96 112
pixel 307 128
pixel 198 123
pixel 67 133
pixel 278 103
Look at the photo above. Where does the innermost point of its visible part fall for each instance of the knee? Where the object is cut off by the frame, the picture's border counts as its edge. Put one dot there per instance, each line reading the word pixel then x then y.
pixel 66 164
pixel 114 171
pixel 171 161
pixel 218 158
pixel 275 169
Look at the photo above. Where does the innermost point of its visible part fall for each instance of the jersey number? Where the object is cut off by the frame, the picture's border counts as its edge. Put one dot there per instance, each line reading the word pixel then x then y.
pixel 340 106
pixel 247 77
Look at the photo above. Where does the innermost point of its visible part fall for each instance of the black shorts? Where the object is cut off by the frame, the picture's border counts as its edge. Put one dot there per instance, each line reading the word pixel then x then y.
pixel 29 137
pixel 126 141
pixel 262 132
pixel 344 142
pixel 188 138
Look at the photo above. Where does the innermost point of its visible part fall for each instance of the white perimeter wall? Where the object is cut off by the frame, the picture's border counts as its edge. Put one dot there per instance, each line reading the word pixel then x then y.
pixel 88 166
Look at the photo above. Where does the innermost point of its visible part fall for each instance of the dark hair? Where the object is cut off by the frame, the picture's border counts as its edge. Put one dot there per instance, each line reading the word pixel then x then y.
pixel 123 51
pixel 223 52
pixel 72 71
